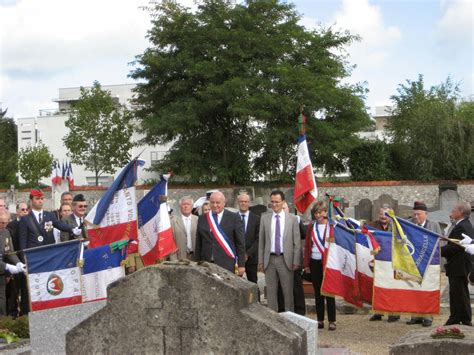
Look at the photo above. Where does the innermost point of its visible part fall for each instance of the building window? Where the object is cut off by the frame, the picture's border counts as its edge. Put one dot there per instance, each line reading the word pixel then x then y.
pixel 156 156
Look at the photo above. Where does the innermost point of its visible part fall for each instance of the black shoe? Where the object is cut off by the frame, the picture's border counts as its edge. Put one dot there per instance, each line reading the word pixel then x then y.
pixel 427 323
pixel 467 323
pixel 414 321
pixel 450 322
pixel 392 319
pixel 320 325
pixel 375 317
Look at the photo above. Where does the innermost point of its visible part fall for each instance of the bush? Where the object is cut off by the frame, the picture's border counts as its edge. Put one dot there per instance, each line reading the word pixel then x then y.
pixel 371 161
pixel 19 326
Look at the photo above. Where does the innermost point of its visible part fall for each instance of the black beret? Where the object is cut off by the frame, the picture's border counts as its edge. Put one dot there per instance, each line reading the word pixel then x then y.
pixel 420 205
pixel 79 198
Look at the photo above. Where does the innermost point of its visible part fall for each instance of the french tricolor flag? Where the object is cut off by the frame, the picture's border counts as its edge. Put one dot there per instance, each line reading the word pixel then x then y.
pixel 340 276
pixel 306 190
pixel 395 292
pixel 54 276
pixel 114 216
pixel 155 236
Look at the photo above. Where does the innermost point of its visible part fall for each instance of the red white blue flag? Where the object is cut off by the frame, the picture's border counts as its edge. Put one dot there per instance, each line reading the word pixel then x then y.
pixel 102 266
pixel 155 236
pixel 306 190
pixel 114 216
pixel 399 292
pixel 340 275
pixel 70 176
pixel 54 277
pixel 56 180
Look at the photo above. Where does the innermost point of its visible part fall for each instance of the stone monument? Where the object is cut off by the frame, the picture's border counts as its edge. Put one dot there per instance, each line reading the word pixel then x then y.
pixel 185 308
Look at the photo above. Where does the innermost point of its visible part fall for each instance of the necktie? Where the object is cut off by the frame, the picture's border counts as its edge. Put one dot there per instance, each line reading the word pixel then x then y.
pixel 277 235
pixel 243 220
pixel 214 215
pixel 40 218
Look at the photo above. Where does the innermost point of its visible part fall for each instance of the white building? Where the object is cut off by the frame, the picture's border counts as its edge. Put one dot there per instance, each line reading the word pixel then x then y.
pixel 49 128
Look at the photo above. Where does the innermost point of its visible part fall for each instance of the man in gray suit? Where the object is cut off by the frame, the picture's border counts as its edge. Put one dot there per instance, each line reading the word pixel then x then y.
pixel 279 251
pixel 184 230
pixel 419 217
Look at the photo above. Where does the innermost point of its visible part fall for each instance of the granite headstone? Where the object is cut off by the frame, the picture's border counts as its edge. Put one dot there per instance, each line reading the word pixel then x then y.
pixel 185 308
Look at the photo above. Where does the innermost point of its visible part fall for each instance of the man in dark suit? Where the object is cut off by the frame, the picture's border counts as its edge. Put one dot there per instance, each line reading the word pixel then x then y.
pixel 279 251
pixel 251 224
pixel 36 228
pixel 76 219
pixel 9 262
pixel 220 237
pixel 18 283
pixel 458 266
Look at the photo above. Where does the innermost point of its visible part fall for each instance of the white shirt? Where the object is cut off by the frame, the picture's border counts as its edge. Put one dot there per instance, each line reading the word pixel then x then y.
pixel 246 219
pixel 272 230
pixel 187 226
pixel 78 220
pixel 37 213
pixel 315 253
pixel 219 216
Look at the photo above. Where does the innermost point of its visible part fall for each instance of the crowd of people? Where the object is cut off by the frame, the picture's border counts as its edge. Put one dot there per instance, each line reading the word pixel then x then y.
pixel 276 243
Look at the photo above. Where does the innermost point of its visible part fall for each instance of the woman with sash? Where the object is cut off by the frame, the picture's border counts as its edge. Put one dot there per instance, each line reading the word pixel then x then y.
pixel 315 248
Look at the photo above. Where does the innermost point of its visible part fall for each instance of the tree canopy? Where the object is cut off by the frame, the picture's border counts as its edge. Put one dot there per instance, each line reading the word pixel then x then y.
pixel 100 131
pixel 9 151
pixel 225 84
pixel 35 162
pixel 433 132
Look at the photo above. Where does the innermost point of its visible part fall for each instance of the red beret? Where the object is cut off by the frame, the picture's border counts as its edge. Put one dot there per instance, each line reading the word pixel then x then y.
pixel 36 193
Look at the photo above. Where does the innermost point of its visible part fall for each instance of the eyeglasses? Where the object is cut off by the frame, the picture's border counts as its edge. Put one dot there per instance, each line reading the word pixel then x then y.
pixel 81 206
pixel 23 209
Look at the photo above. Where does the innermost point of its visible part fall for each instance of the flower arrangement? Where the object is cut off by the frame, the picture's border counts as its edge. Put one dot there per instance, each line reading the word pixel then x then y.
pixel 446 332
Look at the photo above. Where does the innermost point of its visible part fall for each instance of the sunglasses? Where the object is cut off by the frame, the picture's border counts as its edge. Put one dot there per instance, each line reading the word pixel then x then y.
pixel 81 206
pixel 23 209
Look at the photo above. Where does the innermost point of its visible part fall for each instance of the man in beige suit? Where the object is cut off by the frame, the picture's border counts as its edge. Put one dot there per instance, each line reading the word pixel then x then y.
pixel 184 230
pixel 279 251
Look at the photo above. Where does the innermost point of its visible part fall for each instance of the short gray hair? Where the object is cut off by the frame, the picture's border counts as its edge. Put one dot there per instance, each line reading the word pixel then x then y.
pixel 464 208
pixel 185 198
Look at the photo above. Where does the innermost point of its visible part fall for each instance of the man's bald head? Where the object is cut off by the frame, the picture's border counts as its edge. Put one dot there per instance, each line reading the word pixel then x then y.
pixel 217 201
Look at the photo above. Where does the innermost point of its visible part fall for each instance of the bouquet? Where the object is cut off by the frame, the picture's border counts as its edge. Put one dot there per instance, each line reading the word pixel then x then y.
pixel 445 332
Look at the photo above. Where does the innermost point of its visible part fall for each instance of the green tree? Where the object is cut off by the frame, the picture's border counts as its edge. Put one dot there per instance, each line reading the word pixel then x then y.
pixel 371 161
pixel 431 136
pixel 35 162
pixel 8 153
pixel 225 85
pixel 100 131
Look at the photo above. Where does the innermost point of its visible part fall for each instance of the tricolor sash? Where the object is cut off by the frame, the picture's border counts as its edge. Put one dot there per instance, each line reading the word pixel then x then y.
pixel 319 241
pixel 221 237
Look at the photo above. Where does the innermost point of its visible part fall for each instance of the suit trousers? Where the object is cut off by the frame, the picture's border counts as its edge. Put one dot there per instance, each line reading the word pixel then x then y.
pixel 277 271
pixel 298 295
pixel 251 272
pixel 459 301
pixel 316 267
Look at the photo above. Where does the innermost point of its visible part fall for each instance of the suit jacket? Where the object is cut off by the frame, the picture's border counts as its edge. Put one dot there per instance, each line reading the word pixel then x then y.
pixel 71 221
pixel 6 247
pixel 458 262
pixel 251 237
pixel 13 227
pixel 208 249
pixel 32 234
pixel 291 240
pixel 433 226
pixel 180 237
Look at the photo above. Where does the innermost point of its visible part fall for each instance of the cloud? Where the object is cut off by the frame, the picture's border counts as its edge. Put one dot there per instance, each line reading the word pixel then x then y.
pixel 455 27
pixel 43 38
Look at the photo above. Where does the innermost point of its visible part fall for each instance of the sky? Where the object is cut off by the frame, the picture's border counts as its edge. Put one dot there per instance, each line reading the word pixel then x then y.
pixel 50 44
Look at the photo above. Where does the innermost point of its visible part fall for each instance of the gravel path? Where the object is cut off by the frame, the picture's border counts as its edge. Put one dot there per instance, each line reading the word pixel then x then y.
pixel 357 333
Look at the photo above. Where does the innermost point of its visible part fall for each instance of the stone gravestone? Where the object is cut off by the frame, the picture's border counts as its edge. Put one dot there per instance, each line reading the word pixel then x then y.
pixel 447 200
pixel 185 308
pixel 384 199
pixel 363 211
pixel 308 324
pixel 419 342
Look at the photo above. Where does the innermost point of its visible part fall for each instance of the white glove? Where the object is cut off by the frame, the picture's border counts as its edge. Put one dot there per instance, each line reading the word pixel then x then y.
pixel 12 269
pixel 77 231
pixel 466 239
pixel 470 249
pixel 21 267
